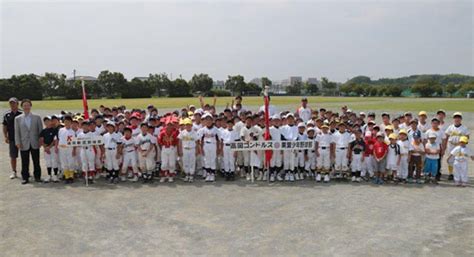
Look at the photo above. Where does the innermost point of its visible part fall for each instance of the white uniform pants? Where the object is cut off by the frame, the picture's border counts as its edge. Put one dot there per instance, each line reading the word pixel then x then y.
pixel 147 163
pixel 256 159
pixel 300 158
pixel 66 159
pixel 276 160
pixel 228 159
pixel 129 160
pixel 341 159
pixel 403 168
pixel 460 171
pixel 368 166
pixel 51 159
pixel 210 156
pixel 324 160
pixel 88 159
pixel 168 159
pixel 246 158
pixel 310 165
pixel 356 164
pixel 189 160
pixel 289 160
pixel 111 161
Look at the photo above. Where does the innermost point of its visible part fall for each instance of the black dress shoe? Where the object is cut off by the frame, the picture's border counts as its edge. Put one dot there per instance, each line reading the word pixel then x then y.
pixel 24 182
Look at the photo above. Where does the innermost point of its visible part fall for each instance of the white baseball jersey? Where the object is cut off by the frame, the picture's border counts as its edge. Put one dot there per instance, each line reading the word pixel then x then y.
pixel 461 154
pixel 188 138
pixel 112 140
pixel 432 147
pixel 304 113
pixel 289 132
pixel 128 144
pixel 144 141
pixel 455 133
pixel 209 135
pixel 440 135
pixel 64 135
pixel 341 139
pixel 324 140
pixel 228 136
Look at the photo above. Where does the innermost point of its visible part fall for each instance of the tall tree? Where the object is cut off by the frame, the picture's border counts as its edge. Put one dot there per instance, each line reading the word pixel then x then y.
pixel 111 83
pixel 295 89
pixel 235 84
pixel 312 89
pixel 27 86
pixel 160 82
pixel 53 84
pixel 138 89
pixel 180 88
pixel 201 83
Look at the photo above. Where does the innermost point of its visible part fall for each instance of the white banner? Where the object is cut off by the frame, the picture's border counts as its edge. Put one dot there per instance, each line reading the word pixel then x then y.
pixel 272 145
pixel 96 140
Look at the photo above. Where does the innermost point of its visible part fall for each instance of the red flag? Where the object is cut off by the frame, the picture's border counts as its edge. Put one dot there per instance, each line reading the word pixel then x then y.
pixel 84 102
pixel 268 153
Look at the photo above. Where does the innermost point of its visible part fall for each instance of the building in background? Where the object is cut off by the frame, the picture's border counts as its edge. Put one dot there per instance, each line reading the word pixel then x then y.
pixel 218 85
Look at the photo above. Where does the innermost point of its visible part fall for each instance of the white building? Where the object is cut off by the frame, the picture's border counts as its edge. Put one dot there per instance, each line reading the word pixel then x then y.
pixel 218 85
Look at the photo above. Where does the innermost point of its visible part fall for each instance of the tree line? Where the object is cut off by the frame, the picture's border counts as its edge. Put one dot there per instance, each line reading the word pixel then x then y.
pixel 115 85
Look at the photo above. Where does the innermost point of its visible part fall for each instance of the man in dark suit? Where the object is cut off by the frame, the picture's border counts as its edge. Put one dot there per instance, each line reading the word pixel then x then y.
pixel 28 127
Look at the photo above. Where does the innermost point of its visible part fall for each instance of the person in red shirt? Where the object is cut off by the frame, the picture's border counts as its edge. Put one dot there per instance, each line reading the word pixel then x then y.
pixel 368 164
pixel 168 140
pixel 380 160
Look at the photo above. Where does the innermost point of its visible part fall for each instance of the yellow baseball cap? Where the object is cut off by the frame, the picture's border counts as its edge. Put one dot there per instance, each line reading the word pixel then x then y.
pixel 422 113
pixel 324 126
pixel 464 139
pixel 187 121
pixel 403 131
pixel 389 127
pixel 392 136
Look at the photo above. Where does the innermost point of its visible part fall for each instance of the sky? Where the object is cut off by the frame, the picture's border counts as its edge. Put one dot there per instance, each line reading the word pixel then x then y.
pixel 276 39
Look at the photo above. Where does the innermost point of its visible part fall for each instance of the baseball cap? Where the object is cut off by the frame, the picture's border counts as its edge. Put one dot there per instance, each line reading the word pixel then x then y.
pixel 13 99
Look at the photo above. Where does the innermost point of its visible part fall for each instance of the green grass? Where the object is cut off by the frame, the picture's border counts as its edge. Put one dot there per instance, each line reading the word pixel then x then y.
pixel 290 102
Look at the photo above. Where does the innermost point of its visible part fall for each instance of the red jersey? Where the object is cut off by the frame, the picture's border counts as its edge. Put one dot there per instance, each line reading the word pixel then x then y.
pixel 380 149
pixel 168 139
pixel 369 145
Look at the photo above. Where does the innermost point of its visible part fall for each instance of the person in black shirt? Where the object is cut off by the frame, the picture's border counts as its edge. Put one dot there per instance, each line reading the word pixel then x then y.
pixel 48 140
pixel 9 132
pixel 356 155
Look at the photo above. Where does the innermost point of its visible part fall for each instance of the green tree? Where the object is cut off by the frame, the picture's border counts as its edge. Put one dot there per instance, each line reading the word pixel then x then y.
pixel 7 89
pixel 26 86
pixel 426 86
pixel 266 82
pixel 466 87
pixel 137 88
pixel 201 83
pixel 451 89
pixel 236 84
pixel 312 89
pixel 180 88
pixel 112 83
pixel 53 84
pixel 161 83
pixel 295 89
pixel 393 90
pixel 359 80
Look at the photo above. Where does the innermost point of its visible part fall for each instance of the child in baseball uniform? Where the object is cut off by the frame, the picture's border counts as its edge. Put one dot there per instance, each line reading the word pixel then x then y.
pixel 112 141
pixel 209 147
pixel 128 149
pixel 277 155
pixel 246 136
pixel 228 136
pixel 146 153
pixel 87 152
pixel 289 133
pixel 356 155
pixel 393 156
pixel 368 163
pixel 48 140
pixel 432 150
pixel 168 140
pixel 325 143
pixel 188 149
pixel 380 158
pixel 453 133
pixel 310 164
pixel 66 157
pixel 341 138
pixel 461 155
pixel 301 155
pixel 405 148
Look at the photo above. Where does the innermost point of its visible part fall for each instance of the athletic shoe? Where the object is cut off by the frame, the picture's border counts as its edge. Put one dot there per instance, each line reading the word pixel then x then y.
pixel 358 180
pixel 279 178
pixel 326 178
pixel 296 176
pixel 353 179
pixel 162 179
pixel 272 178
pixel 451 177
pixel 134 179
pixel 260 176
pixel 13 175
pixel 170 179
pixel 287 176
pixel 265 175
pixel 247 176
pixel 186 179
pixel 318 177
pixel 55 179
pixel 212 178
pixel 123 178
pixel 47 179
pixel 292 177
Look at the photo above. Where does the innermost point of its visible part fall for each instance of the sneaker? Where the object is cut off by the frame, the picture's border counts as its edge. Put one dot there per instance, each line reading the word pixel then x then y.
pixel 326 178
pixel 296 176
pixel 162 179
pixel 13 175
pixel 272 178
pixel 247 177
pixel 24 181
pixel 287 176
pixel 97 175
pixel 134 179
pixel 318 177
pixel 451 177
pixel 353 179
pixel 212 178
pixel 170 179
pixel 292 177
pixel 47 179
pixel 55 179
pixel 260 176
pixel 123 178
pixel 265 175
pixel 190 179
pixel 186 179
pixel 279 178
pixel 358 180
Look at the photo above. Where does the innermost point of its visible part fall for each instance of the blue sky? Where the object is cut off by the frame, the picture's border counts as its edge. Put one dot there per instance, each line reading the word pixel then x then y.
pixel 277 39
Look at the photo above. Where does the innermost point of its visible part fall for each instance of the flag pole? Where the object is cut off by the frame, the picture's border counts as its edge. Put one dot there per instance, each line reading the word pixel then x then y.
pixel 84 100
pixel 268 153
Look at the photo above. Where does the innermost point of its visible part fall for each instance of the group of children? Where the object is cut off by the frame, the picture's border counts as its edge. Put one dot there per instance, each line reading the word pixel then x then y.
pixel 139 144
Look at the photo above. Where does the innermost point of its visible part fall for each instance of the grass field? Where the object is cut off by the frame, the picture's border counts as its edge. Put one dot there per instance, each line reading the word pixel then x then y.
pixel 356 103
